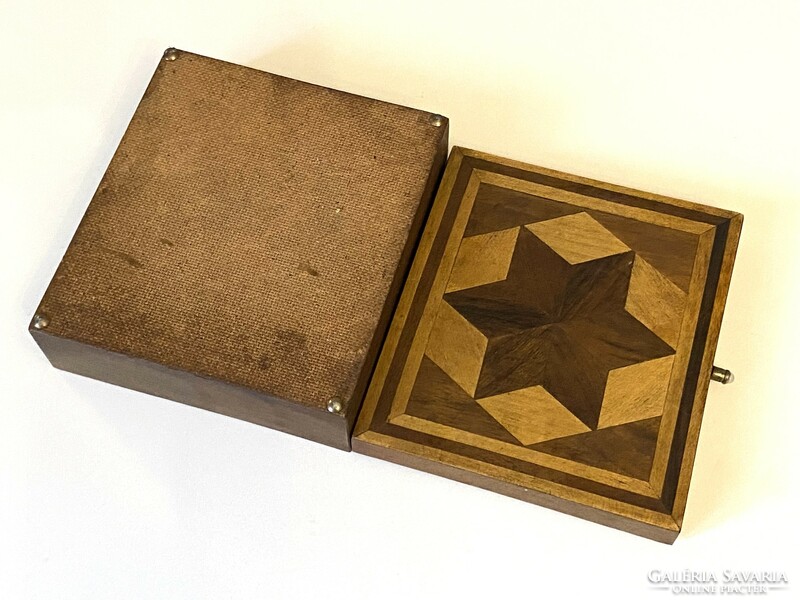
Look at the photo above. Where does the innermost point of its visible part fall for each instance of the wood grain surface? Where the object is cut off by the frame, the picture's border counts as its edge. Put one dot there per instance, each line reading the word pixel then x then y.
pixel 553 342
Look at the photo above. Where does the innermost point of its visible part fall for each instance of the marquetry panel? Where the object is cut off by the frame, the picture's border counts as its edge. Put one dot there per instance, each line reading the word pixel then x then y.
pixel 553 340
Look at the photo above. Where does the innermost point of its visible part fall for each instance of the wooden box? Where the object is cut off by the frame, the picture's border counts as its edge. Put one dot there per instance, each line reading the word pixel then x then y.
pixel 246 249
pixel 554 342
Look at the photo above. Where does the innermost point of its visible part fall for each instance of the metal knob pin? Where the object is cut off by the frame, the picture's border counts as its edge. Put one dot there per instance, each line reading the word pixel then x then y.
pixel 721 375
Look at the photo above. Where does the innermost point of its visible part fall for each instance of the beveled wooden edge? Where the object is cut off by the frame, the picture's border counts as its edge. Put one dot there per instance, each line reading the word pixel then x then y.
pixel 701 393
pixel 409 291
pixel 605 511
pixel 415 354
pixel 691 316
pixel 711 210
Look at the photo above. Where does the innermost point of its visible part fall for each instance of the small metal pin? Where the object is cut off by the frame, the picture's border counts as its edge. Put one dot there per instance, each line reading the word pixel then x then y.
pixel 437 120
pixel 335 406
pixel 721 375
pixel 40 321
pixel 170 54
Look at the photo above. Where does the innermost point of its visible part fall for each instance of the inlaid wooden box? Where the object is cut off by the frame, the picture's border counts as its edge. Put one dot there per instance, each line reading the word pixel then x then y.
pixel 246 249
pixel 554 342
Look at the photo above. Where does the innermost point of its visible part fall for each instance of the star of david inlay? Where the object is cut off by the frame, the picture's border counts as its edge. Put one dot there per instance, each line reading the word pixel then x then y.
pixel 558 319
pixel 553 342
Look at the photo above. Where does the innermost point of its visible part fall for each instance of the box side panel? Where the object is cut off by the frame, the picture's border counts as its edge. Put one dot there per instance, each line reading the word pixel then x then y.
pixel 193 390
pixel 436 467
pixel 685 456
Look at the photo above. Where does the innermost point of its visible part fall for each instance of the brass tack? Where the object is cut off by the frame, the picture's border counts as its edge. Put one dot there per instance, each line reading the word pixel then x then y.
pixel 40 321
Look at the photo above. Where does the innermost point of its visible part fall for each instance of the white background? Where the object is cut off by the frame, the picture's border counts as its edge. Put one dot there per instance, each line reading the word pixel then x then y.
pixel 106 493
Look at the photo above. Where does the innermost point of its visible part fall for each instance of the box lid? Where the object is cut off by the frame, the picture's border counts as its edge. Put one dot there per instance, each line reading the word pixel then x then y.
pixel 554 342
pixel 246 246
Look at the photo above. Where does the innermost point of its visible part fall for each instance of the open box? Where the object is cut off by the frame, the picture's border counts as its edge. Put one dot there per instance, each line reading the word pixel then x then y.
pixel 255 249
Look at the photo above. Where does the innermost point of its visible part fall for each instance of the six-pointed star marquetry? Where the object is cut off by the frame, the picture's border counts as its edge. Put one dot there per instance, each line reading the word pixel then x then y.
pixel 554 342
pixel 542 310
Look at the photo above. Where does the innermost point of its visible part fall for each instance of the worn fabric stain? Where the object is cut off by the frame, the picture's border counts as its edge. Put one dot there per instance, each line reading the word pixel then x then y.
pixel 306 268
pixel 123 256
